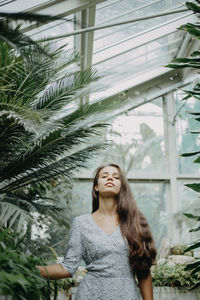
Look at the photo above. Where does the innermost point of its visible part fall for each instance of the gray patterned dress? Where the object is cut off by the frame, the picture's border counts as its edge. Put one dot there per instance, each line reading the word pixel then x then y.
pixel 109 275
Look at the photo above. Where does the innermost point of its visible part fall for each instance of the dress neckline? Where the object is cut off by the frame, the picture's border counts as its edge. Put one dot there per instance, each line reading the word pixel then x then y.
pixel 108 234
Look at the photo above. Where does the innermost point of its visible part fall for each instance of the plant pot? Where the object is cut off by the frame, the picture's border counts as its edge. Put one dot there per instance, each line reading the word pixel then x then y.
pixel 175 293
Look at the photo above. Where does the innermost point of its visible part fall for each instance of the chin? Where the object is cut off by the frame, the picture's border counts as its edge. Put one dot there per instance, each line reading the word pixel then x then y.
pixel 109 194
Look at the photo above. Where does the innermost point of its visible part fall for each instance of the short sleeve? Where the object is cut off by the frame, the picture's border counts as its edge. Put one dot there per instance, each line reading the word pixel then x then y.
pixel 73 253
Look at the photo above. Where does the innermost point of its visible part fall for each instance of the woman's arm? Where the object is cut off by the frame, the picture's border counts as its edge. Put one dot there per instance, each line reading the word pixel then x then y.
pixel 54 271
pixel 146 287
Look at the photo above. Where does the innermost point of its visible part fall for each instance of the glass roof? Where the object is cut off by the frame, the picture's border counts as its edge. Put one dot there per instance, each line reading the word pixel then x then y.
pixel 125 51
pixel 54 29
pixel 126 55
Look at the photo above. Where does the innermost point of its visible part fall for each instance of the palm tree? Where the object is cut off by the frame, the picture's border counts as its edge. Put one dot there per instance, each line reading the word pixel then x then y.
pixel 44 133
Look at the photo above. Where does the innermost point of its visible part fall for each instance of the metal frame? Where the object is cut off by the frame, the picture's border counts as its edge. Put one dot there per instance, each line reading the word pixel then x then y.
pixel 61 8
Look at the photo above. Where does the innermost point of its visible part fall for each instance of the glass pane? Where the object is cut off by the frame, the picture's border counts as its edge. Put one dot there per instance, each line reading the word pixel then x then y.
pixel 136 142
pixel 123 52
pixel 125 10
pixel 55 28
pixel 82 197
pixel 151 200
pixel 188 203
pixel 186 141
pixel 189 199
pixel 137 61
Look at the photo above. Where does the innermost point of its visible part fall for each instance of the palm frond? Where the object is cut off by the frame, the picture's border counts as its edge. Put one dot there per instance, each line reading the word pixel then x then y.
pixel 17 209
pixel 28 17
pixel 62 91
pixel 30 120
pixel 80 125
pixel 48 149
pixel 43 133
pixel 92 113
pixel 15 38
pixel 66 166
pixel 11 214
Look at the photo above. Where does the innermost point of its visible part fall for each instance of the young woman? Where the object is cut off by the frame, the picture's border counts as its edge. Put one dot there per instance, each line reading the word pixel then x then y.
pixel 114 241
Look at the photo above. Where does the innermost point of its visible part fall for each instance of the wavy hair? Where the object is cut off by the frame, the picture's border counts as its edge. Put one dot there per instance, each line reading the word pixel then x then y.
pixel 133 224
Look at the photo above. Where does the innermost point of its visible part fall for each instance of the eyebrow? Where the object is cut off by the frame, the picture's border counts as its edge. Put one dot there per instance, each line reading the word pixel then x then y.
pixel 108 173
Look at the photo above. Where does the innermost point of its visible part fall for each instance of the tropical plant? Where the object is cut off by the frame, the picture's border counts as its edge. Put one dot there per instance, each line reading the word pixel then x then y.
pixel 50 232
pixel 193 61
pixel 20 278
pixel 173 275
pixel 45 132
pixel 18 272
pixel 12 35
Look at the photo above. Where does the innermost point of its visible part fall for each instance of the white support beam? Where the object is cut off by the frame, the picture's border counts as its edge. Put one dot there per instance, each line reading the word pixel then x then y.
pixel 84 42
pixel 157 83
pixel 61 8
pixel 88 19
pixel 50 7
pixel 172 164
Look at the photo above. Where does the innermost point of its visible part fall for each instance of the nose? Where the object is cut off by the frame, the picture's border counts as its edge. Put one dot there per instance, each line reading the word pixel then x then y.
pixel 110 177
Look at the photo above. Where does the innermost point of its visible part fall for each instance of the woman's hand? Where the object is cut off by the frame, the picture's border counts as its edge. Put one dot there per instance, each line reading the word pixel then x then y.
pixel 53 272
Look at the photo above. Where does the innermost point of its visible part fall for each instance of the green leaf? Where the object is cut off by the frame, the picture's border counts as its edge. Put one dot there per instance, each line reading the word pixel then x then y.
pixel 193 265
pixel 191 216
pixel 195 229
pixel 193 7
pixel 195 53
pixel 197 119
pixel 190 154
pixel 197 160
pixel 186 59
pixel 191 28
pixel 195 131
pixel 194 113
pixel 195 246
pixel 195 286
pixel 194 186
pixel 193 92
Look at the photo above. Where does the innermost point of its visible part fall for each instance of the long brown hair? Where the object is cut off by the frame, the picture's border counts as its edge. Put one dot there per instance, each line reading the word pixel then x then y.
pixel 133 224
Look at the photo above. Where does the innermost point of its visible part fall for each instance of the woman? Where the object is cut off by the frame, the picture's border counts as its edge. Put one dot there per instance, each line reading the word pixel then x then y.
pixel 115 242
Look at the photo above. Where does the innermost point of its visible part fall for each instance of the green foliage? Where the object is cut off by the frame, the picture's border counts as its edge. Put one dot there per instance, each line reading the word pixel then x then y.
pixel 166 275
pixel 20 278
pixel 19 275
pixel 53 227
pixel 193 7
pixel 45 134
pixel 192 62
pixel 180 250
pixel 194 267
pixel 13 35
pixel 194 186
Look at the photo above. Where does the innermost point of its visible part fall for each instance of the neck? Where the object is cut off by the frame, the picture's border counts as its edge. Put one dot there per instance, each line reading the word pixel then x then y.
pixel 107 206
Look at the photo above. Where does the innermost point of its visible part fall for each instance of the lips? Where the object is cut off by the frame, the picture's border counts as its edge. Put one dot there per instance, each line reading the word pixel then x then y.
pixel 109 184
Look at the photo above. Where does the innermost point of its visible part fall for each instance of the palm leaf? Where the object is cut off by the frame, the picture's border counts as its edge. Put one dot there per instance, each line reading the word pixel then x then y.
pixel 62 91
pixel 66 166
pixel 11 213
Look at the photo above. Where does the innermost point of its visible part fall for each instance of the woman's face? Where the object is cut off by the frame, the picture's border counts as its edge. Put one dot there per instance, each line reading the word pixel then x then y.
pixel 109 182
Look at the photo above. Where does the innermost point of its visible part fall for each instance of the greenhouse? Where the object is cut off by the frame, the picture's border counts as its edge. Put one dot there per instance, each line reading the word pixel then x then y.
pixel 90 83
